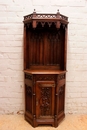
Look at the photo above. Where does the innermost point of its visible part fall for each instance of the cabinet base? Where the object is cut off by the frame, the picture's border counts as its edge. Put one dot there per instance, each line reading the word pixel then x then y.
pixel 37 122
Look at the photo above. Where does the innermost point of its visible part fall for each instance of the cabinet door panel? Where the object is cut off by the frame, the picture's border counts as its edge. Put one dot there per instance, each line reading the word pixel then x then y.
pixel 28 98
pixel 28 92
pixel 61 96
pixel 45 99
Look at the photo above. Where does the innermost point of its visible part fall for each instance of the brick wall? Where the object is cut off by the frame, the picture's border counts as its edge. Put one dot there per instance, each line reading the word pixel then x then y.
pixel 11 52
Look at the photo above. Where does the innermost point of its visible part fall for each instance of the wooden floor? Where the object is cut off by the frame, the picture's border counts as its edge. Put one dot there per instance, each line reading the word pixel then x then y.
pixel 17 122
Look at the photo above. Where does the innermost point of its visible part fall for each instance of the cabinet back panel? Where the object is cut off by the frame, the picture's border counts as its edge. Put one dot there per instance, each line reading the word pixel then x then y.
pixel 45 47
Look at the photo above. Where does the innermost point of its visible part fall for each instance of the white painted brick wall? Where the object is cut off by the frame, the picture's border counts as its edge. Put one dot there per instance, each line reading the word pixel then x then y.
pixel 11 52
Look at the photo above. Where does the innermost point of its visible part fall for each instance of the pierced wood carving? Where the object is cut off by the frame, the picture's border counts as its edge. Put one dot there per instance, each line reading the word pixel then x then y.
pixel 51 18
pixel 45 16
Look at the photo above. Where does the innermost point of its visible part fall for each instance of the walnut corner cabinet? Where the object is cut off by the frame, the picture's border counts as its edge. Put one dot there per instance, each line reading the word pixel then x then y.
pixel 45 50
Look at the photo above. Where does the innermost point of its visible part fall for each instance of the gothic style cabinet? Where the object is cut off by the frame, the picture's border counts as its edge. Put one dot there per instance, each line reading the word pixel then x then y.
pixel 45 47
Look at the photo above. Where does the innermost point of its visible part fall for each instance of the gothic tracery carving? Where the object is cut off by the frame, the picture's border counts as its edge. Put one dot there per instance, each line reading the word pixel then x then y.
pixel 45 77
pixel 55 18
pixel 61 90
pixel 62 76
pixel 27 76
pixel 29 90
pixel 54 36
pixel 36 36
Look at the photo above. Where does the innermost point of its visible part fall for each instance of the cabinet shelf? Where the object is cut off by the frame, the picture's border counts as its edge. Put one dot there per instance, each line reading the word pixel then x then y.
pixel 44 71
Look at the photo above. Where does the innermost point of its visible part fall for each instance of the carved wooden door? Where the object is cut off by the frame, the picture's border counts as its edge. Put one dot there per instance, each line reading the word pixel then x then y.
pixel 45 99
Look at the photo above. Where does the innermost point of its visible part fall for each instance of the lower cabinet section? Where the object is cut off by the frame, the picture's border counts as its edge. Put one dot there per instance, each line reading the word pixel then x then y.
pixel 44 99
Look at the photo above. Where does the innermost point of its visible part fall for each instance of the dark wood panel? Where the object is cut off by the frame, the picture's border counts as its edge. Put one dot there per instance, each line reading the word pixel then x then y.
pixel 45 47
pixel 61 95
pixel 28 98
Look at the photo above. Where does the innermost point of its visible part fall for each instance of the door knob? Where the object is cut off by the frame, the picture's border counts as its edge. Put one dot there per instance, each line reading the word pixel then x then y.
pixel 36 102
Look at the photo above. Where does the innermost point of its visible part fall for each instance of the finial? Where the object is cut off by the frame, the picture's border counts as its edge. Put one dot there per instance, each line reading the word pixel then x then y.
pixel 58 11
pixel 34 10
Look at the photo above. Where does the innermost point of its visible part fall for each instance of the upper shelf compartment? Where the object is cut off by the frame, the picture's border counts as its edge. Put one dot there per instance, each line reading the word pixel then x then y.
pixel 36 18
